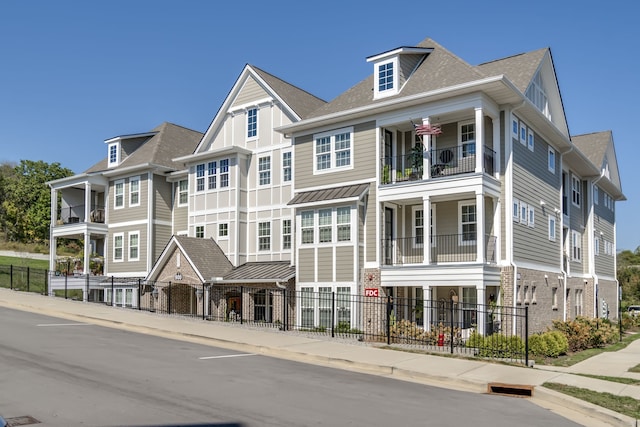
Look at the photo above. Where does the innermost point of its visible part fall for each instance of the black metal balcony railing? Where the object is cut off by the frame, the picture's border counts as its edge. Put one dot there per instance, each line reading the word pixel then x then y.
pixel 446 248
pixel 444 162
pixel 75 214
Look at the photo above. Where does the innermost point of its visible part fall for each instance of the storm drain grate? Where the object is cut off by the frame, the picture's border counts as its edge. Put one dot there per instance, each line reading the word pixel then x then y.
pixel 516 390
pixel 21 421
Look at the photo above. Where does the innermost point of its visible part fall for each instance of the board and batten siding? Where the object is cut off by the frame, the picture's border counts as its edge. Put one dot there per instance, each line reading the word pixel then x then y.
pixel 326 264
pixel 533 183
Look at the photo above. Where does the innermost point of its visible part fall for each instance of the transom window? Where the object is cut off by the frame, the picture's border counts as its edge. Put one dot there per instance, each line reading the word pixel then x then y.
pixel 264 170
pixel 286 166
pixel 118 200
pixel 252 123
pixel 134 191
pixel 183 192
pixel 333 150
pixel 468 223
pixel 264 236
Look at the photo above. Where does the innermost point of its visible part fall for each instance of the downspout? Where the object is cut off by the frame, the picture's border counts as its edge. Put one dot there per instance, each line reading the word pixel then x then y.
pixel 596 284
pixel 564 251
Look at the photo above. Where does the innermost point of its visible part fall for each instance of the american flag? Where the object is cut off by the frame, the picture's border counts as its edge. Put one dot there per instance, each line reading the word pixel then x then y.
pixel 427 129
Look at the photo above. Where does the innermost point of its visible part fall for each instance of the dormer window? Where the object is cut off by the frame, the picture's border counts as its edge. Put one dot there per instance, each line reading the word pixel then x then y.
pixel 386 78
pixel 114 154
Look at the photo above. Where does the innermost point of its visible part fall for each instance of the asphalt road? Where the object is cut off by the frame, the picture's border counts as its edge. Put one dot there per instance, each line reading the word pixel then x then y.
pixel 65 373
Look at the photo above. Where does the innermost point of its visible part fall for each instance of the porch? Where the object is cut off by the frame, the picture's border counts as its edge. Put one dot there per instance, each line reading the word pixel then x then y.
pixel 446 248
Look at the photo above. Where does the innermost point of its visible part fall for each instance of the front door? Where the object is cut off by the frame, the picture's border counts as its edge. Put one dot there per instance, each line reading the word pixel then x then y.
pixel 388 236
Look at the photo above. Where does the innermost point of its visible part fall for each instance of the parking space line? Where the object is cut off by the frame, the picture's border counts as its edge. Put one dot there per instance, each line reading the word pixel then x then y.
pixel 64 324
pixel 227 356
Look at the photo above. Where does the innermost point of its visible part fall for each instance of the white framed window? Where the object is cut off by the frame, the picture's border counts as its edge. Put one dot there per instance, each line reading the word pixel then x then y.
pixel 286 166
pixel 325 227
pixel 538 96
pixel 252 123
pixel 286 234
pixel 118 247
pixel 134 246
pixel 552 228
pixel 333 150
pixel 515 128
pixel 114 154
pixel 264 170
pixel 212 169
pixel 519 294
pixel 596 245
pixel 118 194
pixel 531 216
pixel 551 160
pixel 467 138
pixel 183 192
pixel 467 224
pixel 223 230
pixel 386 78
pixel 200 177
pixel 575 190
pixel 200 231
pixel 264 236
pixel 516 210
pixel 596 195
pixel 307 226
pixel 224 173
pixel 134 191
pixel 530 140
pixel 418 227
pixel 343 224
pixel 523 134
pixel 524 209
pixel 576 246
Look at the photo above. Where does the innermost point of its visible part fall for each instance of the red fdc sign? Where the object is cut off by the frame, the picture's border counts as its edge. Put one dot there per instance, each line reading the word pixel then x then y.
pixel 371 292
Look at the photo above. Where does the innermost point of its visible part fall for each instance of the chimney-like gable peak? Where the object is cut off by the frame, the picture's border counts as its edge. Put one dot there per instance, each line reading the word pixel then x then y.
pixel 392 68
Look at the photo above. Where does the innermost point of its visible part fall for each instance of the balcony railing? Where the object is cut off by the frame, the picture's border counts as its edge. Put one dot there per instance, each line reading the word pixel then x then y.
pixel 445 248
pixel 444 162
pixel 75 214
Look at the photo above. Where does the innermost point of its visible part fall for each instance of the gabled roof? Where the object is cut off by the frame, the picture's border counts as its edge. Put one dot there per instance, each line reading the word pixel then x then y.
pixel 520 68
pixel 261 272
pixel 165 142
pixel 204 255
pixel 599 149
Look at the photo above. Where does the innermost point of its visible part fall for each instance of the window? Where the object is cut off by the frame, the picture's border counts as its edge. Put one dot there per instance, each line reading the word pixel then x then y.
pixel 134 245
pixel 551 160
pixel 344 224
pixel 418 227
pixel 514 127
pixel 467 223
pixel 118 199
pixel 516 210
pixel 530 140
pixel 252 123
pixel 307 225
pixel 523 213
pixel 325 228
pixel 575 190
pixel 134 191
pixel 526 295
pixel 307 307
pixel 333 150
pixel 183 192
pixel 468 138
pixel 286 166
pixel 118 246
pixel 264 236
pixel 533 294
pixel 608 201
pixel 264 170
pixel 224 173
pixel 386 79
pixel 223 230
pixel 596 196
pixel 200 231
pixel 576 246
pixel 211 175
pixel 519 294
pixel 343 306
pixel 113 154
pixel 596 245
pixel 537 95
pixel 200 177
pixel 523 133
pixel 286 234
pixel 552 228
pixel 531 216
pixel 324 306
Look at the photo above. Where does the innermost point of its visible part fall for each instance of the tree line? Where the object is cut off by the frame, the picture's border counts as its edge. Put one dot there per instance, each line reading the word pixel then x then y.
pixel 629 276
pixel 25 199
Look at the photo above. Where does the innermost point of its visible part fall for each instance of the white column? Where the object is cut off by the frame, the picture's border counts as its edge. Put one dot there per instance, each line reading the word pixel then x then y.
pixel 426 230
pixel 479 139
pixel 87 235
pixel 480 239
pixel 426 307
pixel 426 159
pixel 496 147
pixel 87 202
pixel 497 232
pixel 480 299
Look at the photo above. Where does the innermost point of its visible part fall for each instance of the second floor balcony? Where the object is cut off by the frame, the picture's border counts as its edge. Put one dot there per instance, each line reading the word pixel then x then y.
pixel 444 249
pixel 77 214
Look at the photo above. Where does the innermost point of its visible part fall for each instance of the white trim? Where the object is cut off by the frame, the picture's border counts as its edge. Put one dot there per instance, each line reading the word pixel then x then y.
pixel 462 203
pixel 332 151
pixel 246 123
pixel 131 192
pixel 266 171
pixel 113 252
pixel 551 151
pixel 115 193
pixel 552 232
pixel 117 148
pixel 395 65
pixel 530 139
pixel 129 235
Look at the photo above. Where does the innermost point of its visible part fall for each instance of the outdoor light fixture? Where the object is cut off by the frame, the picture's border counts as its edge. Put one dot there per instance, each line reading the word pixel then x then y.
pixel 154 292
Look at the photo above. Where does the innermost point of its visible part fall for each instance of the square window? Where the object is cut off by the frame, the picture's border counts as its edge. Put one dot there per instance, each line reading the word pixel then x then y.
pixel 385 77
pixel 200 231
pixel 223 230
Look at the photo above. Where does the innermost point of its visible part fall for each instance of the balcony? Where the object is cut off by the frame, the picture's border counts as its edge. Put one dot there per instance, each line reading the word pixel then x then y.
pixel 76 214
pixel 445 162
pixel 446 248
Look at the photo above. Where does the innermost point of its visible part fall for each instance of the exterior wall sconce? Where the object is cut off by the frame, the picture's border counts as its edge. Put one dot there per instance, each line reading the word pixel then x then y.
pixel 154 292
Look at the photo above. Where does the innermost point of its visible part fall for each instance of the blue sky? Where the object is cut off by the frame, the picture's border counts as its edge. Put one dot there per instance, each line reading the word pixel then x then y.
pixel 74 73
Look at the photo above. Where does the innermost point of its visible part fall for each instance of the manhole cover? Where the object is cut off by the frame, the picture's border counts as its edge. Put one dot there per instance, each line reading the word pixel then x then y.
pixel 21 421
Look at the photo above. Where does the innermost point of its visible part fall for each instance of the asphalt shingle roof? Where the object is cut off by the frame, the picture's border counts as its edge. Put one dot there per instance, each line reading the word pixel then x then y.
pixel 206 256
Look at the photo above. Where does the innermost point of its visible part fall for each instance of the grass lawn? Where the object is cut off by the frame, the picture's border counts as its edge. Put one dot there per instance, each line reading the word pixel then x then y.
pixel 27 274
pixel 573 358
pixel 24 262
pixel 621 404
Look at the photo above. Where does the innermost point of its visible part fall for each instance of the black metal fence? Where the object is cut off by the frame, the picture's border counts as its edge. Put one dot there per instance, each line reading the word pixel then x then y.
pixel 24 278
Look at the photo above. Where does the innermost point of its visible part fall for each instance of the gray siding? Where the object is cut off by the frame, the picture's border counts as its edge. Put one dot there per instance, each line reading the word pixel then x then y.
pixel 306 265
pixel 251 91
pixel 344 264
pixel 325 264
pixel 604 263
pixel 162 199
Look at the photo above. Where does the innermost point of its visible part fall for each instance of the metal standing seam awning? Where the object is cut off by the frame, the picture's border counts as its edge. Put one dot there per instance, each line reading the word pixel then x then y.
pixel 330 195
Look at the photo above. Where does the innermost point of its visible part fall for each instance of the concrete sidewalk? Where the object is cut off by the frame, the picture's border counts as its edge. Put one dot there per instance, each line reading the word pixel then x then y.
pixel 447 372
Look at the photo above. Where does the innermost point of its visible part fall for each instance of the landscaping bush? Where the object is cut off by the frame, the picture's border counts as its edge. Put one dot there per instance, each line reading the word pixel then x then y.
pixel 497 345
pixel 583 333
pixel 548 344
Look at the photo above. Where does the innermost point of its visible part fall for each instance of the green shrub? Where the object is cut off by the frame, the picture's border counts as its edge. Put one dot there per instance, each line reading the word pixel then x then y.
pixel 497 345
pixel 583 333
pixel 548 344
